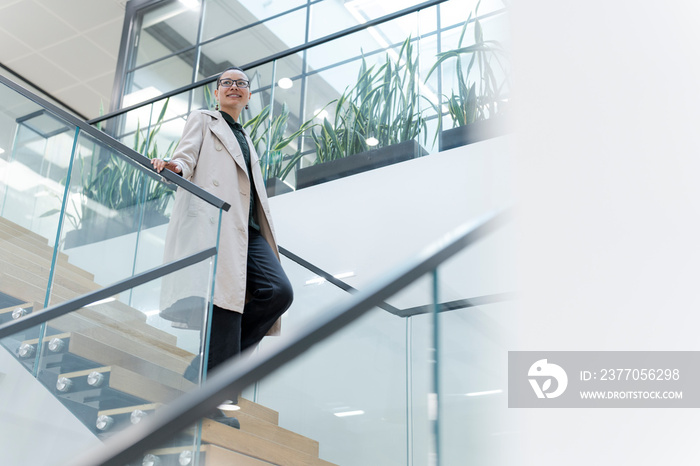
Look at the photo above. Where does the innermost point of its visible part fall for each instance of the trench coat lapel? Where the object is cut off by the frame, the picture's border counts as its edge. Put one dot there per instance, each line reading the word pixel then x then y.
pixel 222 131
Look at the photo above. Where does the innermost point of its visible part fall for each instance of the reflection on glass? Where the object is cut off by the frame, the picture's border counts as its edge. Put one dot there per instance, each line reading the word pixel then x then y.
pixel 269 37
pixel 166 29
pixel 159 77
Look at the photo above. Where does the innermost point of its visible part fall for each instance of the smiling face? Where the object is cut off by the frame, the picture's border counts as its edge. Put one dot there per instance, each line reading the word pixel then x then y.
pixel 232 100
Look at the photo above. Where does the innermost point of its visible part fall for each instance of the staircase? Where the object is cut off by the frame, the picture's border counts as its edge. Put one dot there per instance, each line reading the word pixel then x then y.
pixel 111 369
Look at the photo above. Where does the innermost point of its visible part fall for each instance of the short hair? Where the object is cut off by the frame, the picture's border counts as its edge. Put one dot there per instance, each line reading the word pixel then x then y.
pixel 232 68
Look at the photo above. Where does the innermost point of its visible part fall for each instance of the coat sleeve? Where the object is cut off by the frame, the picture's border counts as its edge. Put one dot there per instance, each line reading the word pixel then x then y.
pixel 186 154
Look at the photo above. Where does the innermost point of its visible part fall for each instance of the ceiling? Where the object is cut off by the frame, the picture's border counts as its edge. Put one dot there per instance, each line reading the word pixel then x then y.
pixel 67 48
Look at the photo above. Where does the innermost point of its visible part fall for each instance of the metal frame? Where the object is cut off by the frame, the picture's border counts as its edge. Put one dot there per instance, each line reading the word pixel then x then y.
pixel 236 374
pixel 292 51
pixel 52 312
pixel 113 143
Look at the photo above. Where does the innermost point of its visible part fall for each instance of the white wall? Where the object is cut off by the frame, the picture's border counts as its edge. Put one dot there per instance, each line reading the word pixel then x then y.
pixel 608 174
pixel 370 223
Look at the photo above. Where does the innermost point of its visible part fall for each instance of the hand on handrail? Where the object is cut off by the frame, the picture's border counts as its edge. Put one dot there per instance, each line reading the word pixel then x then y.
pixel 159 165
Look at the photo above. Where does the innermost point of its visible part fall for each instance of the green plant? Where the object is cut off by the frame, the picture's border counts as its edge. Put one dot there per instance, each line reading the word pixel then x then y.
pixel 478 97
pixel 114 183
pixel 269 141
pixel 383 104
pixel 118 183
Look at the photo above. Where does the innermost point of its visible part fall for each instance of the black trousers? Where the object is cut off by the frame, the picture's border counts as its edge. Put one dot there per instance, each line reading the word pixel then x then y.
pixel 270 295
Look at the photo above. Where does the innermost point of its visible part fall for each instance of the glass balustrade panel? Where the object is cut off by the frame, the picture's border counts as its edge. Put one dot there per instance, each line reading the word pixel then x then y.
pixel 35 155
pixel 347 393
pixel 477 326
pixel 110 364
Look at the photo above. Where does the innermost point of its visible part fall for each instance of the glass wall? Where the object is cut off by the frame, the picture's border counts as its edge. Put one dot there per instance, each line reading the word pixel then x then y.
pixel 425 81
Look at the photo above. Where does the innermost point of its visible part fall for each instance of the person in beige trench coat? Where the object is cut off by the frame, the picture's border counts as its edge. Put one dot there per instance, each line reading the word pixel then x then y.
pixel 251 290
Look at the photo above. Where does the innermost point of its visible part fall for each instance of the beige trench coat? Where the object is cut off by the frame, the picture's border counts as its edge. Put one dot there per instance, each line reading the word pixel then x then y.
pixel 210 156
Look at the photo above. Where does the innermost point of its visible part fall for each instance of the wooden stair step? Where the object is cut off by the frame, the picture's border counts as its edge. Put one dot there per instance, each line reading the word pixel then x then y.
pixel 5 223
pixel 277 434
pixel 76 286
pixel 103 353
pixel 43 270
pixel 217 456
pixel 26 305
pixel 131 383
pixel 40 248
pixel 257 447
pixel 148 408
pixel 9 228
pixel 39 255
pixel 46 339
pixel 85 319
pixel 133 341
pixel 211 455
pixel 258 411
pixel 35 243
pixel 21 289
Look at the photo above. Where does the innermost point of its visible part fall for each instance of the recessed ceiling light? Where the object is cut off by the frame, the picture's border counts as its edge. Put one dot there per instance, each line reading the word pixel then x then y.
pixel 318 280
pixel 349 413
pixel 285 83
pixel 488 392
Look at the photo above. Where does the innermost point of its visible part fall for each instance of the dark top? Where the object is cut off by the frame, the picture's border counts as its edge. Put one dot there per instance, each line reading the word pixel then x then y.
pixel 240 136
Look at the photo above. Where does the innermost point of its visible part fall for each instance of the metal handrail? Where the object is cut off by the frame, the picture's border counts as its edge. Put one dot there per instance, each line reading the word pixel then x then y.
pixel 74 304
pixel 233 376
pixel 110 142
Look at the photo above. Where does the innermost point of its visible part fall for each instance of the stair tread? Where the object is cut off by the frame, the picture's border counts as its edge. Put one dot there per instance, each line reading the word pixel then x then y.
pixel 131 383
pixel 274 432
pixel 41 257
pixel 4 222
pixel 13 229
pixel 96 350
pixel 257 410
pixel 213 456
pixel 217 456
pixel 257 447
pixel 136 328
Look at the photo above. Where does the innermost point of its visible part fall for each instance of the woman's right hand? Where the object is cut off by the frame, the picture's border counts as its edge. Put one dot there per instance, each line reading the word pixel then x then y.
pixel 159 165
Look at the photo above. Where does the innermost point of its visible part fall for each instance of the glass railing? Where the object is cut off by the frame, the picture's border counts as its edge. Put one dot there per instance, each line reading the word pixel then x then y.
pixel 423 82
pixel 107 365
pixel 80 213
pixel 423 387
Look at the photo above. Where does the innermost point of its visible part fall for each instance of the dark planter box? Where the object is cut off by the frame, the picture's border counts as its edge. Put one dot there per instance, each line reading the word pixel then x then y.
pixel 473 132
pixel 358 163
pixel 275 187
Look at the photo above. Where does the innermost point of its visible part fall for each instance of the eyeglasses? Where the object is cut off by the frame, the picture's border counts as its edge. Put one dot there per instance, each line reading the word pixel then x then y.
pixel 240 83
